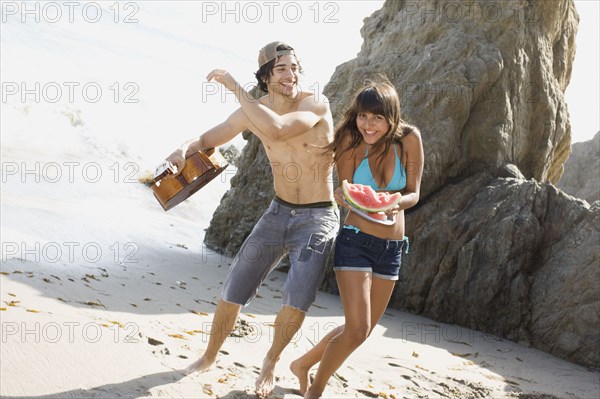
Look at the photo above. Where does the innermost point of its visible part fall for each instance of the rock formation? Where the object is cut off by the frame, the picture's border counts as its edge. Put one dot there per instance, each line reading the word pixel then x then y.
pixel 494 245
pixel 507 256
pixel 483 80
pixel 582 171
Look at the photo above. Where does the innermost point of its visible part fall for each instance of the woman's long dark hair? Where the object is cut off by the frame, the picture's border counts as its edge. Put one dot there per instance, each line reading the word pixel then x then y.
pixel 379 98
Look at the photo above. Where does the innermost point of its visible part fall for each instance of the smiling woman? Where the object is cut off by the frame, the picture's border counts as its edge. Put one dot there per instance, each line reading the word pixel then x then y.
pixel 371 126
pixel 367 251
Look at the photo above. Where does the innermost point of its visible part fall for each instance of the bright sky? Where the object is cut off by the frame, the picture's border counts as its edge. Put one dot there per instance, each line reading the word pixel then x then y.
pixel 327 33
pixel 320 22
pixel 583 93
pixel 174 44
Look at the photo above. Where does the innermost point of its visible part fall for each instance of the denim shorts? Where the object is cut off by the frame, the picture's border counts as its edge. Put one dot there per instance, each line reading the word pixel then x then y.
pixel 358 251
pixel 305 234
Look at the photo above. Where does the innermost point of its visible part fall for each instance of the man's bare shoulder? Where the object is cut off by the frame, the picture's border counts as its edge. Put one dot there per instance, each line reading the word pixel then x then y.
pixel 312 96
pixel 316 103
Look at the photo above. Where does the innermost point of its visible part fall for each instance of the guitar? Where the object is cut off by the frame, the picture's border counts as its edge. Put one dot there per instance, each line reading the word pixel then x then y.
pixel 200 168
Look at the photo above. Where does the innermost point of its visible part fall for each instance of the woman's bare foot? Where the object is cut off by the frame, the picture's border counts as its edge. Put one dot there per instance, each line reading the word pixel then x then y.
pixel 301 373
pixel 311 394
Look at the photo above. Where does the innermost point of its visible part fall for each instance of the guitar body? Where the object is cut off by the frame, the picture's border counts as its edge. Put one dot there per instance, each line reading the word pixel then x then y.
pixel 200 168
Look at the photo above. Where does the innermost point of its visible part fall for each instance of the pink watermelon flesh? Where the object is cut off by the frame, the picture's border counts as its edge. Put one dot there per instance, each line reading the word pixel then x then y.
pixel 365 198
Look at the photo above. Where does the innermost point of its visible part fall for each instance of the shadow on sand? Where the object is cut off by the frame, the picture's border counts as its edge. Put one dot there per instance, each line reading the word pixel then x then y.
pixel 138 387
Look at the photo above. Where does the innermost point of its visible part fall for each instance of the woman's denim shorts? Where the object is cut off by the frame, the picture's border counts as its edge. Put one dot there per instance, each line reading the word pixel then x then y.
pixel 358 251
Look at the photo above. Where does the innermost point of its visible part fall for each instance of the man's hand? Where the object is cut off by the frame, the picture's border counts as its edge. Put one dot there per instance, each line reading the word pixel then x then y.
pixel 223 77
pixel 178 160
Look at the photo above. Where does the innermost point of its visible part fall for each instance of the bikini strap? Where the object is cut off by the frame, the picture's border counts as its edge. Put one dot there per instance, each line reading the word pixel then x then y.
pixel 406 244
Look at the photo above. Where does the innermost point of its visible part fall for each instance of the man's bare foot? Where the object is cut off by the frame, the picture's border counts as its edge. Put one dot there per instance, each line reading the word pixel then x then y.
pixel 199 365
pixel 302 374
pixel 264 382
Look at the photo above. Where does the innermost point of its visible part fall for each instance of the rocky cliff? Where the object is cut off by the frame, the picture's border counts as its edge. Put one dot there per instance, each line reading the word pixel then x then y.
pixel 582 171
pixel 508 256
pixel 494 245
pixel 484 80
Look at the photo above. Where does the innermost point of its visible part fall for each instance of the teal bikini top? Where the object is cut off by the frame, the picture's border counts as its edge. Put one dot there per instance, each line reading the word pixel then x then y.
pixel 363 175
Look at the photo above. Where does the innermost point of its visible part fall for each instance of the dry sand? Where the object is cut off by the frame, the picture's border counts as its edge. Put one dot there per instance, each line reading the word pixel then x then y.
pixel 123 333
pixel 130 298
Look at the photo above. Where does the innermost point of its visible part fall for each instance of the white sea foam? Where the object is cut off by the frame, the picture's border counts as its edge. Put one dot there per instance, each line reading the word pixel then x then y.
pixel 88 107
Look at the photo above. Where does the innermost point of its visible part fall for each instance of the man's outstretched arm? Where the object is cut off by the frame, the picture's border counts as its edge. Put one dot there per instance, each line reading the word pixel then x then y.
pixel 277 127
pixel 214 137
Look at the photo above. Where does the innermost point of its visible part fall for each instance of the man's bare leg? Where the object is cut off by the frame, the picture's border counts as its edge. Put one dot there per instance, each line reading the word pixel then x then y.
pixel 287 323
pixel 223 322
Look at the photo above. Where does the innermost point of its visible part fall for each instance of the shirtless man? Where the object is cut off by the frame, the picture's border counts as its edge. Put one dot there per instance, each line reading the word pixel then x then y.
pixel 302 220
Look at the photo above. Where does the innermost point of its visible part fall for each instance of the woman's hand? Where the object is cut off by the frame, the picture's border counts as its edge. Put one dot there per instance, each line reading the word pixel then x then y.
pixel 338 194
pixel 393 212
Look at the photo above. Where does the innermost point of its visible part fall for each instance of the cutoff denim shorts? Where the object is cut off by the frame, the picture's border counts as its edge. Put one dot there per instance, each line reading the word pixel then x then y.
pixel 305 234
pixel 358 251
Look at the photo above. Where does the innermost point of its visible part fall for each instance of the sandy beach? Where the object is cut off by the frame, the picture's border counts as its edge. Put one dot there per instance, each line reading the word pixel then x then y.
pixel 122 324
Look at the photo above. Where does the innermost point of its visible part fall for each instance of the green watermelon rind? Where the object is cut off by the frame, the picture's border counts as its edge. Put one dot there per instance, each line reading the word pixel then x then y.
pixel 347 195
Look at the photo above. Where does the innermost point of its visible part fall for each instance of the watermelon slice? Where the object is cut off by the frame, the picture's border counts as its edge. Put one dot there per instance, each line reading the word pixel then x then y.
pixel 365 198
pixel 378 216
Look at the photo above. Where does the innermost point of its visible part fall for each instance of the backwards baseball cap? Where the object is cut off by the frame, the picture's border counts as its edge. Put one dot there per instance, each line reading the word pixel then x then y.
pixel 270 52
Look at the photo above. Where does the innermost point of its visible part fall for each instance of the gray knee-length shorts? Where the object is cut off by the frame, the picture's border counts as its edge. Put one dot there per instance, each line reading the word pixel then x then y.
pixel 306 234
